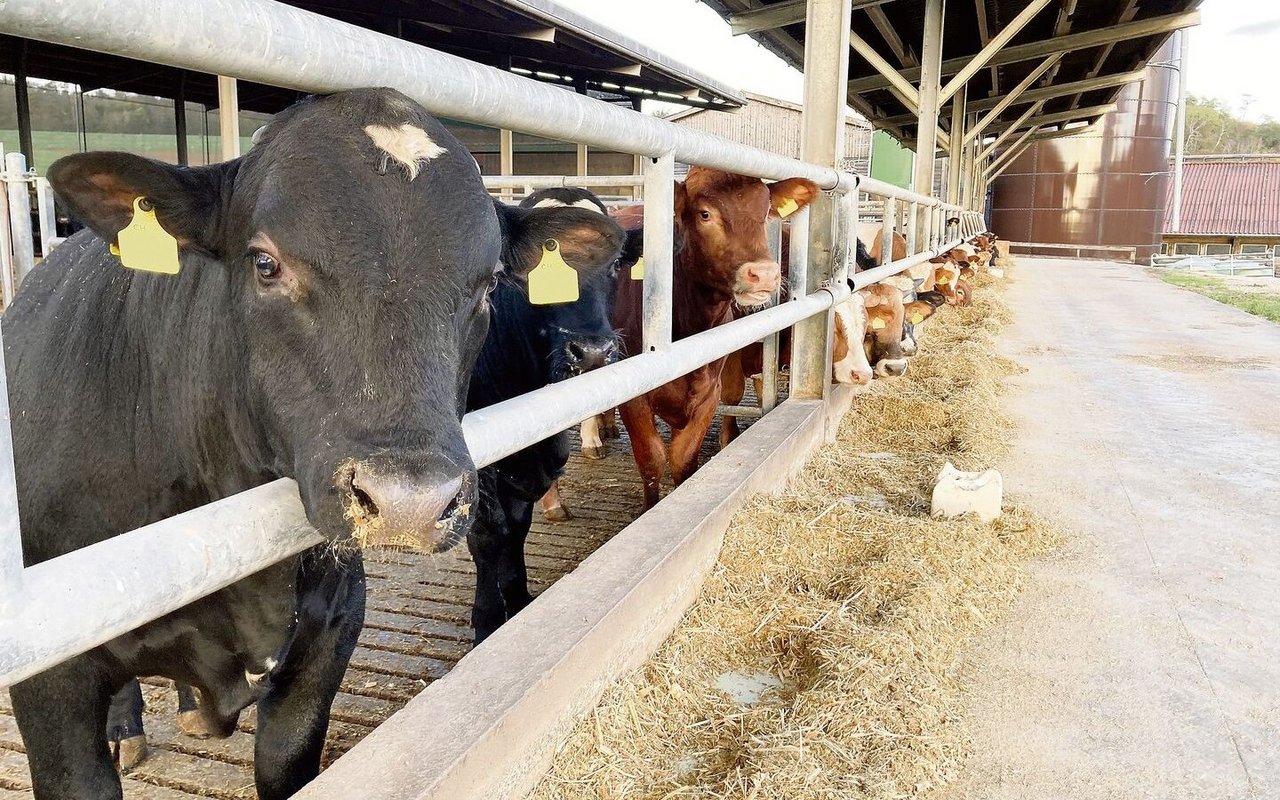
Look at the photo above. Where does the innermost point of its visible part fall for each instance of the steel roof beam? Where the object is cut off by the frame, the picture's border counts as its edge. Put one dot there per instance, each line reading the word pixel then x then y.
pixel 989 51
pixel 780 15
pixel 1045 93
pixel 1031 111
pixel 1009 99
pixel 1075 115
pixel 903 53
pixel 1061 44
pixel 1007 156
pixel 907 94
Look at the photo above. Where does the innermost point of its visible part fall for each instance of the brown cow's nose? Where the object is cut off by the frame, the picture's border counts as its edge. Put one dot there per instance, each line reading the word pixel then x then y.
pixel 762 275
pixel 394 509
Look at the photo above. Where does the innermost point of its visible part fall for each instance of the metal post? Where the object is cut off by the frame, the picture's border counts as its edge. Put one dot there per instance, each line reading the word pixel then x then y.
pixel 913 232
pixel 23 102
pixel 955 160
pixel 822 124
pixel 228 117
pixel 7 281
pixel 887 224
pixel 1180 135
pixel 10 532
pixel 44 209
pixel 582 159
pixel 506 158
pixel 180 120
pixel 637 168
pixel 769 383
pixel 659 213
pixel 24 247
pixel 798 254
pixel 927 130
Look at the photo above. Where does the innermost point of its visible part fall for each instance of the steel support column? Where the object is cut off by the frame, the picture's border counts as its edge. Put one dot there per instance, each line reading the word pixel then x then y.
pixel 927 131
pixel 659 212
pixel 826 73
pixel 180 120
pixel 228 117
pixel 955 159
pixel 23 102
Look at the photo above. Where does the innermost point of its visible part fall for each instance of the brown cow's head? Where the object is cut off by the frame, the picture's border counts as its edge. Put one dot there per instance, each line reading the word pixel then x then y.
pixel 883 341
pixel 722 218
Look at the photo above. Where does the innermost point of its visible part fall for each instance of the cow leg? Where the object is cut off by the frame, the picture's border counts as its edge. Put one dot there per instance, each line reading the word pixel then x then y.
pixel 553 507
pixel 191 720
pixel 125 734
pixel 293 716
pixel 496 542
pixel 592 444
pixel 609 425
pixel 62 716
pixel 686 442
pixel 733 386
pixel 646 446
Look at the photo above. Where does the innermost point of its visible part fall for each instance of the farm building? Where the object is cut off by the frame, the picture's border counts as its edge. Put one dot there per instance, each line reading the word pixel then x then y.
pixel 1230 204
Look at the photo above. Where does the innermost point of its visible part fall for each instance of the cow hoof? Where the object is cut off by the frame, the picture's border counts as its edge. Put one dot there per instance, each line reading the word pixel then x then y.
pixel 557 514
pixel 131 752
pixel 196 725
pixel 595 453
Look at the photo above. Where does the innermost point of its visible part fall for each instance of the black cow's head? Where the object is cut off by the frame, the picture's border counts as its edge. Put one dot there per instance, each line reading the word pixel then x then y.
pixel 357 245
pixel 579 335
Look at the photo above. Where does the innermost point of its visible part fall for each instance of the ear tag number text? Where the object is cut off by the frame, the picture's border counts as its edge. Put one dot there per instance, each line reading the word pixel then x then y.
pixel 552 281
pixel 144 245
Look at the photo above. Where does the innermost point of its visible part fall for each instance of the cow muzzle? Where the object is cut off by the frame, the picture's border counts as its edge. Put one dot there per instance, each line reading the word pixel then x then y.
pixel 756 282
pixel 891 367
pixel 398 509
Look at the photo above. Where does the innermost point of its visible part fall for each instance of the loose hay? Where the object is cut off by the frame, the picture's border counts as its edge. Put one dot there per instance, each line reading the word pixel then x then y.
pixel 846 614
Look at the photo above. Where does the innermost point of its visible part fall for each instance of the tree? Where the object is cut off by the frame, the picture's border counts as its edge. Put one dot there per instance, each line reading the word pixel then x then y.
pixel 1212 129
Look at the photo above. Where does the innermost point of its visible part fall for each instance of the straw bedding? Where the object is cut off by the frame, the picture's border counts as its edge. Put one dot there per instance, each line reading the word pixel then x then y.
pixel 822 657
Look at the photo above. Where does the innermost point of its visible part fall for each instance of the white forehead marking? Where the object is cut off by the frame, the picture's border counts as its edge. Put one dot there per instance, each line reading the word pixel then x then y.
pixel 407 144
pixel 551 202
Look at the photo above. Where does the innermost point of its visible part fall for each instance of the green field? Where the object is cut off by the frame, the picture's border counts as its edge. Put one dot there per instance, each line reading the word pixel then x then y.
pixel 1259 304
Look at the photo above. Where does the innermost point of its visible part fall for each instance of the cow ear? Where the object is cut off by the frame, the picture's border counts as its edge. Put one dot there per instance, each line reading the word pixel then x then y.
pixel 924 309
pixel 99 189
pixel 588 240
pixel 680 199
pixel 787 197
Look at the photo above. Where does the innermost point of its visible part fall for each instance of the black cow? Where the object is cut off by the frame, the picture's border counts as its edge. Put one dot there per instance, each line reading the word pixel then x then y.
pixel 527 348
pixel 323 327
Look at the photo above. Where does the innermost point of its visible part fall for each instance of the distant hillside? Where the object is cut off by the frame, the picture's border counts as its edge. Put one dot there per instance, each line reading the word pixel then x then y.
pixel 1212 129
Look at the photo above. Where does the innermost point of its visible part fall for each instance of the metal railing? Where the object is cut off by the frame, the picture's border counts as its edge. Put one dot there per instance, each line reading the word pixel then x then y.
pixel 1248 264
pixel 77 601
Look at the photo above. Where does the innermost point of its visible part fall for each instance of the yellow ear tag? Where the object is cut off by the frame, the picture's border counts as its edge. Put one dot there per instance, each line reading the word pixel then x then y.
pixel 917 318
pixel 552 281
pixel 788 207
pixel 146 246
pixel 877 324
pixel 637 269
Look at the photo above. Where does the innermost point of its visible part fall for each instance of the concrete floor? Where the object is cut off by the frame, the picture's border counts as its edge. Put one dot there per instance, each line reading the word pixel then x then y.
pixel 1143 660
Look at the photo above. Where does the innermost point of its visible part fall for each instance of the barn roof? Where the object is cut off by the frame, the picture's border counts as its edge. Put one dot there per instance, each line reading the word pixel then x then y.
pixel 536 38
pixel 1228 195
pixel 895 29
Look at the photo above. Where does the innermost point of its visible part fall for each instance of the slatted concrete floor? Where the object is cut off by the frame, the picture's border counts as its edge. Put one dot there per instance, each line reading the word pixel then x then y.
pixel 417 627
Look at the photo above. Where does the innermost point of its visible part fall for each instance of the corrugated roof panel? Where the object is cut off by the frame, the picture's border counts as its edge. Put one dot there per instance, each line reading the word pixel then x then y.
pixel 1228 198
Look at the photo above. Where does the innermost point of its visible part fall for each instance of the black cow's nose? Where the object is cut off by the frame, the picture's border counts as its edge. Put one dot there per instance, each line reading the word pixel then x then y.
pixel 390 508
pixel 589 355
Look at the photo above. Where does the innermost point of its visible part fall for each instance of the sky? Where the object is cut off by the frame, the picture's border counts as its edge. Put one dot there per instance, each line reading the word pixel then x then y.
pixel 1233 52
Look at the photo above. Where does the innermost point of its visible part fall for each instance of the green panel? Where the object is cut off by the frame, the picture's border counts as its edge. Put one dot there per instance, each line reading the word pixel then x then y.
pixel 890 161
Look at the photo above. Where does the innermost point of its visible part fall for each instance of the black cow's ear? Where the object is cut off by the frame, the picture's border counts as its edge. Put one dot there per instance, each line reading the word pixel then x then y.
pixel 633 248
pixel 588 240
pixel 100 188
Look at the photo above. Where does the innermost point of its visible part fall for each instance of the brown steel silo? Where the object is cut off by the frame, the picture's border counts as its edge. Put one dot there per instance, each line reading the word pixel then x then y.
pixel 1106 186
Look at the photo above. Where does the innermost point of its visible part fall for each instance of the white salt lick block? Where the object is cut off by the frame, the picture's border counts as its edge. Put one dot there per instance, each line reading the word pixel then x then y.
pixel 957 493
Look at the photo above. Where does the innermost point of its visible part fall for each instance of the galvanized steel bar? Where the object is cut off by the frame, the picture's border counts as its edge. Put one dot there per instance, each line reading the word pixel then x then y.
pixel 886 230
pixel 278 45
pixel 558 181
pixel 10 532
pixel 24 246
pixel 913 233
pixel 769 368
pixel 45 211
pixel 8 280
pixel 659 210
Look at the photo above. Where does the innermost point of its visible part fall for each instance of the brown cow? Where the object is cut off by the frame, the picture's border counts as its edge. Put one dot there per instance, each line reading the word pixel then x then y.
pixel 871 234
pixel 724 261
pixel 885 317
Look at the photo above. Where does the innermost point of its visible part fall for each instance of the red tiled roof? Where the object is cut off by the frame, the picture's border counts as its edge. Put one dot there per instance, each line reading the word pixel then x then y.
pixel 1233 197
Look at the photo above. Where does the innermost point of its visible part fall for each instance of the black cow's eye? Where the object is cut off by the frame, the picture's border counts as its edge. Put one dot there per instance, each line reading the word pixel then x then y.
pixel 266 265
